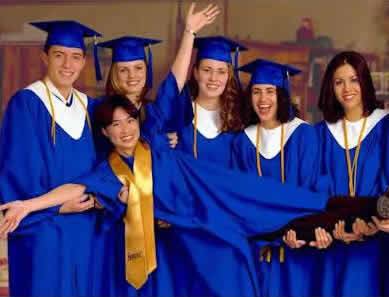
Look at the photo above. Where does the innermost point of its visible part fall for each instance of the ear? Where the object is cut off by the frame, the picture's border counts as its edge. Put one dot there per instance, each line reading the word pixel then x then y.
pixel 45 58
pixel 104 132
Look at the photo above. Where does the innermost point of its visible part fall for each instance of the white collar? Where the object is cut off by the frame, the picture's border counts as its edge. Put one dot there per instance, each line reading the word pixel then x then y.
pixel 208 121
pixel 53 89
pixel 70 118
pixel 270 144
pixel 354 128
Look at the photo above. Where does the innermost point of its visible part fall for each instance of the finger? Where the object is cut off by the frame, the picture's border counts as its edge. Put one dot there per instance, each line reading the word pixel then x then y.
pixel 191 8
pixel 375 220
pixel 84 197
pixel 300 243
pixel 213 12
pixel 205 10
pixel 4 229
pixel 5 206
pixel 210 20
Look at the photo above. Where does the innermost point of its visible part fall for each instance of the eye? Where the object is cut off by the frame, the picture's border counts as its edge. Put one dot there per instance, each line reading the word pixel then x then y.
pixel 115 124
pixel 222 71
pixel 255 92
pixel 338 82
pixel 205 69
pixel 355 79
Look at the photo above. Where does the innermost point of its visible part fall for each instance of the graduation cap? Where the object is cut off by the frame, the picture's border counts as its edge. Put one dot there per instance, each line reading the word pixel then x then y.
pixel 69 34
pixel 217 48
pixel 130 48
pixel 65 33
pixel 268 72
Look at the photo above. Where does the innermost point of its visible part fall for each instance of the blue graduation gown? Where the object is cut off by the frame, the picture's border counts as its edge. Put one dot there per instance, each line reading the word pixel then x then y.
pixel 49 253
pixel 194 197
pixel 178 116
pixel 293 277
pixel 351 270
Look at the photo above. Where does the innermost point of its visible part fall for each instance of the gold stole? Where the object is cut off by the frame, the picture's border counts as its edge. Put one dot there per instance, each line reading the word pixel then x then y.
pixel 140 251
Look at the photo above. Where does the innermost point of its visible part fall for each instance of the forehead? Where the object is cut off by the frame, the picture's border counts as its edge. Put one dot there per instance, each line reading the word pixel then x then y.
pixel 64 49
pixel 130 63
pixel 263 86
pixel 119 114
pixel 344 70
pixel 213 63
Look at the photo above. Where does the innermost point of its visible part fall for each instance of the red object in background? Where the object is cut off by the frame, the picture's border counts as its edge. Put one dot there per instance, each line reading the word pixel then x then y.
pixel 305 31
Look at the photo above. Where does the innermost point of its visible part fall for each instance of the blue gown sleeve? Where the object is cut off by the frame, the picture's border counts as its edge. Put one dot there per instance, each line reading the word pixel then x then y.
pixel 227 199
pixel 103 183
pixel 171 110
pixel 21 159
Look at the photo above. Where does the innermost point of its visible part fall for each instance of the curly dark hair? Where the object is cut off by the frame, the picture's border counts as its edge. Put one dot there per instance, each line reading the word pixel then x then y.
pixel 286 110
pixel 331 108
pixel 231 103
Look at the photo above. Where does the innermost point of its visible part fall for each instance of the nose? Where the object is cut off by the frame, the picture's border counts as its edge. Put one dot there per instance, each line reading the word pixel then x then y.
pixel 66 62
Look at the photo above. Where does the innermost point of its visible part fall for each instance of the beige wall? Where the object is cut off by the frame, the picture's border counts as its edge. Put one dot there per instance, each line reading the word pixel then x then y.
pixel 350 23
pixel 347 22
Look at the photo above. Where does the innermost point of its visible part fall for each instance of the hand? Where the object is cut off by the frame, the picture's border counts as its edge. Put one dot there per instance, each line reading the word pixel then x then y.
pixel 173 139
pixel 79 204
pixel 123 194
pixel 323 239
pixel 360 227
pixel 196 21
pixel 163 225
pixel 382 225
pixel 340 233
pixel 16 212
pixel 291 241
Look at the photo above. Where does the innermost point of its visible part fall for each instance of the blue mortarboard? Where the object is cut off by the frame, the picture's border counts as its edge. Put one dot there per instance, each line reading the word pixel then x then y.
pixel 217 48
pixel 65 33
pixel 268 72
pixel 130 48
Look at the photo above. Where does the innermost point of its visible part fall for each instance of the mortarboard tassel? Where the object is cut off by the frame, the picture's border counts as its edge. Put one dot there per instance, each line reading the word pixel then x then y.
pixel 99 76
pixel 149 68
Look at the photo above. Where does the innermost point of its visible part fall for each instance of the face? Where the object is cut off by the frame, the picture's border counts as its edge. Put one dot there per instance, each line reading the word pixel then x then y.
pixel 123 132
pixel 131 77
pixel 264 102
pixel 64 65
pixel 212 77
pixel 347 88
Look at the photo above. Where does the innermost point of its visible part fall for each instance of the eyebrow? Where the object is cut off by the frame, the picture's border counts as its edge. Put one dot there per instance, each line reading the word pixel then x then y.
pixel 118 120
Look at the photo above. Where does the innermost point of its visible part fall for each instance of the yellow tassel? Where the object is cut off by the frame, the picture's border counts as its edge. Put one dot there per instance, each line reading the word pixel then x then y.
pixel 282 254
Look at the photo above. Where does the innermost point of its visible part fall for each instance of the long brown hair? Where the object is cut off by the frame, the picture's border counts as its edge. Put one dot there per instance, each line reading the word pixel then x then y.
pixel 331 108
pixel 230 101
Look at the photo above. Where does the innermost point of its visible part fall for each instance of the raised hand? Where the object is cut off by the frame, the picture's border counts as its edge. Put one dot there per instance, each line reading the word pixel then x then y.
pixel 16 211
pixel 290 239
pixel 195 21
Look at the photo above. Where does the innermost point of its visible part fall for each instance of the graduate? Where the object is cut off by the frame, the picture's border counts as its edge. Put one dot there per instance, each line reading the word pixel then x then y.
pixel 279 145
pixel 46 141
pixel 351 137
pixel 205 114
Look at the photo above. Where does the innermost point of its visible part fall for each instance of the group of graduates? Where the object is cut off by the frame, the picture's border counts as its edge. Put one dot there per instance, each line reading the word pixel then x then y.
pixel 124 196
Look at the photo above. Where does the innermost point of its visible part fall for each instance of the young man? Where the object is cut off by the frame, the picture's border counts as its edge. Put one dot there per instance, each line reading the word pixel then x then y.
pixel 46 141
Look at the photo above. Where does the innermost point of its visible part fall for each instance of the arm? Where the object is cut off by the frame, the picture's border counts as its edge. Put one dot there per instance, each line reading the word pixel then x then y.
pixel 17 210
pixel 166 113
